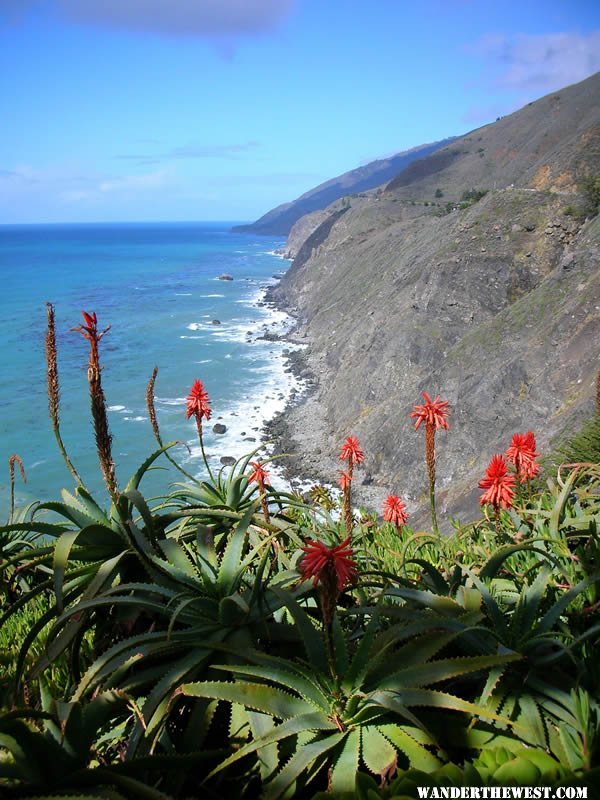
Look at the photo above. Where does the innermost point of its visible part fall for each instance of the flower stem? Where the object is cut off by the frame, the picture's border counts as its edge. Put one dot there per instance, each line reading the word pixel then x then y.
pixel 497 521
pixel 430 459
pixel 349 521
pixel 204 458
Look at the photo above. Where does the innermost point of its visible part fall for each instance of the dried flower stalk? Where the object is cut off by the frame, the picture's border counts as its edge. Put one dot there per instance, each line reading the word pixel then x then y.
pixel 54 390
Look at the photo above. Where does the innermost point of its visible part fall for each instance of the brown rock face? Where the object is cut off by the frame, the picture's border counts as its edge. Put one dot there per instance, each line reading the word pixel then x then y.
pixel 495 305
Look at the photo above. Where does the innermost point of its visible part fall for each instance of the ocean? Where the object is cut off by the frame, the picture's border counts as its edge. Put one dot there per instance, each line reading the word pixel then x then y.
pixel 158 286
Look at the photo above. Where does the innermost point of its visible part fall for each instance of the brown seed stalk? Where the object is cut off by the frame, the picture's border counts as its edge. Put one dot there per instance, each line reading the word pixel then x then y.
pixel 151 408
pixel 14 459
pixel 54 390
pixel 98 404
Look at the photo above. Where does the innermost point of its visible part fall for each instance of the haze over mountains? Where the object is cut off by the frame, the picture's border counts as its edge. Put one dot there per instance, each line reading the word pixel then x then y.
pixel 279 221
pixel 473 273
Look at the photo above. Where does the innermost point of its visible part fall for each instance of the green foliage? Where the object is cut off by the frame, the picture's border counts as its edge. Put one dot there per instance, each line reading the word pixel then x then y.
pixel 163 648
pixel 584 446
pixel 590 189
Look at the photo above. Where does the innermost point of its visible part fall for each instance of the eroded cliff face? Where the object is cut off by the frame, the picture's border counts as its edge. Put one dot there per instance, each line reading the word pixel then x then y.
pixel 495 306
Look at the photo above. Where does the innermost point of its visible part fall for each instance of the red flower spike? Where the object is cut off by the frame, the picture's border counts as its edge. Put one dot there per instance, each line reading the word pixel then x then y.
pixel 522 454
pixel 90 329
pixel 499 483
pixel 394 511
pixel 431 412
pixel 198 402
pixel 351 451
pixel 320 559
pixel 259 475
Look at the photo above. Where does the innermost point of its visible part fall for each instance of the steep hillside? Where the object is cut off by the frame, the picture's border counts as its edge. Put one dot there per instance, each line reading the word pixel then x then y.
pixel 494 304
pixel 280 220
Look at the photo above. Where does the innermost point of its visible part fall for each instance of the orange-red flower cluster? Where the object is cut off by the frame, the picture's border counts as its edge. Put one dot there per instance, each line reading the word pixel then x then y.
pixel 431 412
pixel 198 402
pixel 344 481
pixel 320 559
pixel 258 475
pixel 351 451
pixel 394 511
pixel 499 483
pixel 522 454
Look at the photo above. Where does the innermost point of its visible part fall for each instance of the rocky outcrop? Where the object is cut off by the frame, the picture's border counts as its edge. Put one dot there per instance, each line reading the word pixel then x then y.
pixel 494 305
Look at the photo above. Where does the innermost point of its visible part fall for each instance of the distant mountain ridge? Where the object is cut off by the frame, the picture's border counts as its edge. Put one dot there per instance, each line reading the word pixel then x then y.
pixel 279 221
pixel 474 273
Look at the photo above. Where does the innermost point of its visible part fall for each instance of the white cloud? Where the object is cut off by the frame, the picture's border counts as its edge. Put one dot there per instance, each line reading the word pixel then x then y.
pixel 210 18
pixel 136 183
pixel 535 64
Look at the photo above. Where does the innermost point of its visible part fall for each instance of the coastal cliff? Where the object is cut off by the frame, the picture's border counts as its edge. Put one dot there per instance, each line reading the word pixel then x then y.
pixel 279 221
pixel 473 274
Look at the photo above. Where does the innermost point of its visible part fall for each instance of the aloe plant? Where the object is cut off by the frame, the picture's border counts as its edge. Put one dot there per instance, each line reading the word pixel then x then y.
pixel 363 714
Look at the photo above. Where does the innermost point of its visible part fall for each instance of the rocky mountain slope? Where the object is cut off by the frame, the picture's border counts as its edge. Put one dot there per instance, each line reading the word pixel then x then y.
pixel 280 220
pixel 492 301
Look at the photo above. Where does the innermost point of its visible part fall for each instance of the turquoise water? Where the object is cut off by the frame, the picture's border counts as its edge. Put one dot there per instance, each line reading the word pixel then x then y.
pixel 157 286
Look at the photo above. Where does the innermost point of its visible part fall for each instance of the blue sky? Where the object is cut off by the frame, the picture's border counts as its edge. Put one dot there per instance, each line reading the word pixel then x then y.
pixel 222 109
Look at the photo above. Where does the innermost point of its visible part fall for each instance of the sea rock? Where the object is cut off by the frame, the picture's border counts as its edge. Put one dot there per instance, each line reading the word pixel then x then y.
pixel 215 322
pixel 227 461
pixel 219 428
pixel 225 277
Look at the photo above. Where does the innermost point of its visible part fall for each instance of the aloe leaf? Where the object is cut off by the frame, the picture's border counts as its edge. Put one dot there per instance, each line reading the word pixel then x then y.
pixel 136 478
pixel 284 676
pixel 268 759
pixel 230 562
pixel 439 584
pixel 435 671
pixel 60 561
pixel 379 755
pixel 354 676
pixel 493 679
pixel 532 720
pixel 436 699
pixel 492 566
pixel 44 528
pixel 529 601
pixel 418 756
pixel 553 614
pixel 104 574
pixel 176 555
pixel 311 638
pixel 557 509
pixel 300 761
pixel 138 501
pixel 290 727
pixel 256 696
pixel 443 605
pixel 345 767
pixel 496 615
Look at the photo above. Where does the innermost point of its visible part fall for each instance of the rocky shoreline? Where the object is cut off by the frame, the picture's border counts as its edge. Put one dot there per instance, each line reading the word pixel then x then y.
pixel 301 429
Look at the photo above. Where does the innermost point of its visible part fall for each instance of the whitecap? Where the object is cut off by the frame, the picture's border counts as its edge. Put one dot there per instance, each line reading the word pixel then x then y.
pixel 117 408
pixel 170 401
